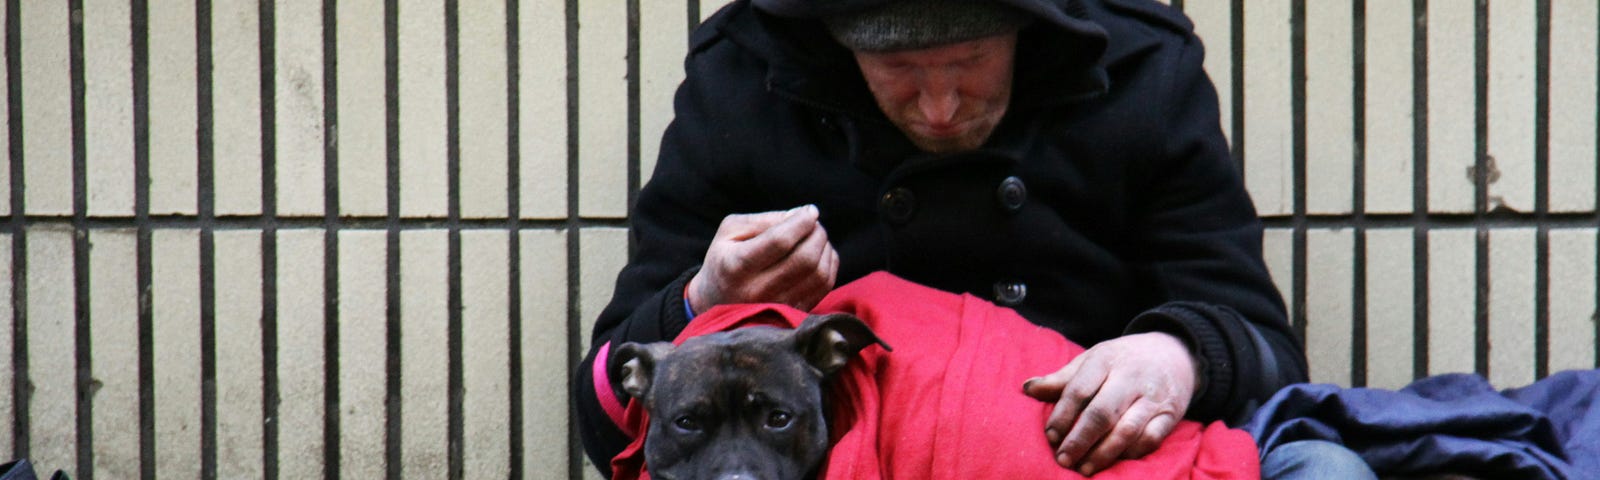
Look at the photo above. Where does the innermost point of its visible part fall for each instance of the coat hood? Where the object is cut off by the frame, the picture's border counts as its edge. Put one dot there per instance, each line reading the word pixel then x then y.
pixel 1064 14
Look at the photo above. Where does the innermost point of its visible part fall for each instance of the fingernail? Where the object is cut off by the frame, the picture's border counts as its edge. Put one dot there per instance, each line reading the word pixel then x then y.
pixel 1087 469
pixel 1052 435
pixel 1028 384
pixel 1063 460
pixel 799 211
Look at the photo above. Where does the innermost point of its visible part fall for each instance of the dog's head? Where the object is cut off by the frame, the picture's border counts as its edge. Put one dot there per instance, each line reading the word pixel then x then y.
pixel 742 404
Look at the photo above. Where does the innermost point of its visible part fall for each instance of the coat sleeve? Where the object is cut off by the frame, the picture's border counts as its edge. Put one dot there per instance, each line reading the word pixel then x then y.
pixel 673 221
pixel 1201 243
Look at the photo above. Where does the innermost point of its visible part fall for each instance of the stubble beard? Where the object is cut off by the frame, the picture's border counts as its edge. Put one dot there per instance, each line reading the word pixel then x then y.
pixel 967 141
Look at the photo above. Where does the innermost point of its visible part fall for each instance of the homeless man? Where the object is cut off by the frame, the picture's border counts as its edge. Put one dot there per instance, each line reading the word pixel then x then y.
pixel 1060 157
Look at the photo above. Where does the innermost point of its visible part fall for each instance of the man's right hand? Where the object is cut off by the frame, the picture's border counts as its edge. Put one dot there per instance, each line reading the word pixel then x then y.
pixel 770 257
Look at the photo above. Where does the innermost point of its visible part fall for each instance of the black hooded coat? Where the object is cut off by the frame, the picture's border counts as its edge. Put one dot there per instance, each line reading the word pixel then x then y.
pixel 1105 202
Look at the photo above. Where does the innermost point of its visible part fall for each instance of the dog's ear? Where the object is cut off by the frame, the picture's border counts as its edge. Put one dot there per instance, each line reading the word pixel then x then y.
pixel 828 341
pixel 632 366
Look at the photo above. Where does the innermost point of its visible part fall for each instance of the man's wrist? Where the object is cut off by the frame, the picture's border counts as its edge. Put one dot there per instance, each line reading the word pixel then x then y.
pixel 690 306
pixel 1165 323
pixel 1195 360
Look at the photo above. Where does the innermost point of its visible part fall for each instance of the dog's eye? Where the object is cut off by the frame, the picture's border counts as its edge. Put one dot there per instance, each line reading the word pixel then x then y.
pixel 687 423
pixel 779 419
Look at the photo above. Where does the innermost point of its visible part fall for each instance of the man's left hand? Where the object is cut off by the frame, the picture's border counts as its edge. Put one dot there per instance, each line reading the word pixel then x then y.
pixel 1118 400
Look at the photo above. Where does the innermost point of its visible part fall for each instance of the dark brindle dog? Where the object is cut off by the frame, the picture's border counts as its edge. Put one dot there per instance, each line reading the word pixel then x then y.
pixel 742 404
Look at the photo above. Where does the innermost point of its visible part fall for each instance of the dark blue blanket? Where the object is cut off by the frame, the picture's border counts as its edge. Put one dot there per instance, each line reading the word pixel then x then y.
pixel 1454 423
pixel 20 469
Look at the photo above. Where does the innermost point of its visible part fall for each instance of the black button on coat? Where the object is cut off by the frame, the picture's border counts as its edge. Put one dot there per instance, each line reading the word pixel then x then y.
pixel 1130 214
pixel 1011 194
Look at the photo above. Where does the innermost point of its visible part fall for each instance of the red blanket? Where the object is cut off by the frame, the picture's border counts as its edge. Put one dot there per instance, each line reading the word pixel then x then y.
pixel 947 403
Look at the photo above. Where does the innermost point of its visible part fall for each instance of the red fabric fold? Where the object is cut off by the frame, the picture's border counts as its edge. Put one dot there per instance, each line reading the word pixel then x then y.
pixel 947 403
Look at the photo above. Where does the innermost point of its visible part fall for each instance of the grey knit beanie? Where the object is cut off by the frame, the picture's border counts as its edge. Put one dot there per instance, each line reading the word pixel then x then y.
pixel 915 24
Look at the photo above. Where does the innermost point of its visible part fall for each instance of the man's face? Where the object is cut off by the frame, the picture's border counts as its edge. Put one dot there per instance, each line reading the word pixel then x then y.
pixel 947 98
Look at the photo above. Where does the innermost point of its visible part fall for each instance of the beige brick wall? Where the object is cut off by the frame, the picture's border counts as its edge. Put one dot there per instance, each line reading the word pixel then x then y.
pixel 370 239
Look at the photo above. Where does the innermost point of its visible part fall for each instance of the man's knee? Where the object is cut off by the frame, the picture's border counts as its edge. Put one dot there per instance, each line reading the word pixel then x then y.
pixel 1314 459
